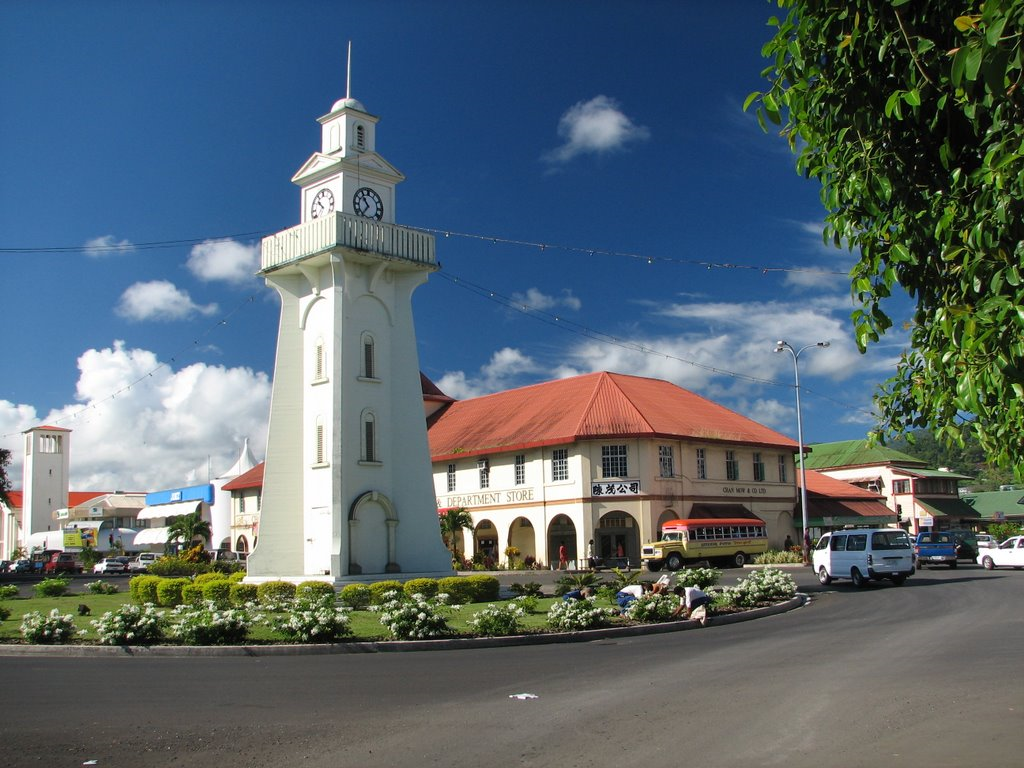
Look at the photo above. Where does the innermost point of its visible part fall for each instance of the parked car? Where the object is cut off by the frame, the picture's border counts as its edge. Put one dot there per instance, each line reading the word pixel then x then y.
pixel 1009 554
pixel 986 541
pixel 861 554
pixel 141 563
pixel 20 566
pixel 124 560
pixel 5 565
pixel 63 562
pixel 936 548
pixel 109 565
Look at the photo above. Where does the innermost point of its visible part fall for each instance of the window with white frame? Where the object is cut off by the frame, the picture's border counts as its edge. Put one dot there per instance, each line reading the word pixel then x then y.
pixel 666 465
pixel 702 465
pixel 451 478
pixel 369 362
pixel 758 468
pixel 520 469
pixel 369 445
pixel 484 468
pixel 559 464
pixel 732 467
pixel 318 361
pixel 319 447
pixel 613 461
pixel 782 468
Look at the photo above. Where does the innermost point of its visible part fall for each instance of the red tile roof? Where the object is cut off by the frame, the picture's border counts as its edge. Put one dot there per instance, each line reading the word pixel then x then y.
pixel 251 479
pixel 75 498
pixel 588 407
pixel 826 485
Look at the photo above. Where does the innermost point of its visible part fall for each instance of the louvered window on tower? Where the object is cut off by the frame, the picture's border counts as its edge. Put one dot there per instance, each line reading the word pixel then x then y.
pixel 369 371
pixel 360 137
pixel 369 438
pixel 319 442
pixel 318 362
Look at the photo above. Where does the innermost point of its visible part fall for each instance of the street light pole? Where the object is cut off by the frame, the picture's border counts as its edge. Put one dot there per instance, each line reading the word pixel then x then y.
pixel 779 347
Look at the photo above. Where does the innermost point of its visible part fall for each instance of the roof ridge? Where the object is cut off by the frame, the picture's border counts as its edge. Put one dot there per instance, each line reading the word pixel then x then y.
pixel 618 388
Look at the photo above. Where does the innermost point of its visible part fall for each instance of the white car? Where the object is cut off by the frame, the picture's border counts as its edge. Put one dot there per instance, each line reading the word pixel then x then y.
pixel 1009 554
pixel 141 563
pixel 109 565
pixel 986 541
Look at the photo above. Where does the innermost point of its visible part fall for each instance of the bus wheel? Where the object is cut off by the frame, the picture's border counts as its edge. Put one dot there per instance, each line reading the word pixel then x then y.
pixel 739 559
pixel 858 578
pixel 654 565
pixel 674 562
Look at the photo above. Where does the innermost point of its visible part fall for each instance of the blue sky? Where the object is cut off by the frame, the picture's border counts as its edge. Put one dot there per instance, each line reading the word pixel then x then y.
pixel 588 162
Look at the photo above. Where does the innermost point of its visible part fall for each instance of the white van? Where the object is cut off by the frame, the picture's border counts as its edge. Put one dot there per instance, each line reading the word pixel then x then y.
pixel 862 554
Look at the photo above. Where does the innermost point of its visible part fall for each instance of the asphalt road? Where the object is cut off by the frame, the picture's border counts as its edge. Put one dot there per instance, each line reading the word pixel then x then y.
pixel 926 674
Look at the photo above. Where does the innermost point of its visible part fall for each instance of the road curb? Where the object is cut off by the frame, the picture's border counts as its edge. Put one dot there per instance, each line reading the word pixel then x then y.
pixel 389 646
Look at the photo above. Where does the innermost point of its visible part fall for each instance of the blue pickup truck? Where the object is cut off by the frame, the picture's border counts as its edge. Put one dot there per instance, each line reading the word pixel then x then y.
pixel 936 548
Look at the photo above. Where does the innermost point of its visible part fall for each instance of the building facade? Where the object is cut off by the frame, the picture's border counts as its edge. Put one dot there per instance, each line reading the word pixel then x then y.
pixel 600 462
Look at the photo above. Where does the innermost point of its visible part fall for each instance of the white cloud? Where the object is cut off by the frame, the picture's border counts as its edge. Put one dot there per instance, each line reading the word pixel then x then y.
pixel 534 298
pixel 595 126
pixel 503 371
pixel 159 300
pixel 141 426
pixel 226 260
pixel 105 245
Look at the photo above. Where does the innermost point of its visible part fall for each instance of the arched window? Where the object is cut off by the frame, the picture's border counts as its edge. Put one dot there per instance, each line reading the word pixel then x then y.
pixel 320 438
pixel 369 437
pixel 369 366
pixel 319 365
pixel 360 137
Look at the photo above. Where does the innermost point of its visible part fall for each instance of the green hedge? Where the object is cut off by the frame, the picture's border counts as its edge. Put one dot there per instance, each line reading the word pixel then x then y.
pixel 356 596
pixel 168 591
pixel 314 589
pixel 218 591
pixel 483 589
pixel 380 588
pixel 425 587
pixel 243 593
pixel 273 591
pixel 458 589
pixel 143 588
pixel 191 594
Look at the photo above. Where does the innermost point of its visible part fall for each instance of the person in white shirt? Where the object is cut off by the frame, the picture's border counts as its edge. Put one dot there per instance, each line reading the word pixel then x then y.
pixel 690 599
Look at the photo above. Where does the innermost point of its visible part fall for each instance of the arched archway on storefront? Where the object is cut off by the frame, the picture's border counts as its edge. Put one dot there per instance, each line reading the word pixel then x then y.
pixel 618 536
pixel 562 530
pixel 667 515
pixel 522 536
pixel 485 543
pixel 241 544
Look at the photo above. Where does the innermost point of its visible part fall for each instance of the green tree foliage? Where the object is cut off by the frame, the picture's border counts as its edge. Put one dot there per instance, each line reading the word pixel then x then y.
pixel 909 115
pixel 188 528
pixel 5 482
pixel 453 521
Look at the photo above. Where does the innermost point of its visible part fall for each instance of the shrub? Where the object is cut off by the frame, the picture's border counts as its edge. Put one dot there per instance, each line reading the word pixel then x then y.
pixel 242 594
pixel 652 607
pixel 218 591
pixel 356 596
pixel 5 613
pixel 530 588
pixel 131 624
pixel 206 624
pixel 237 575
pixel 772 557
pixel 314 619
pixel 380 588
pixel 702 578
pixel 204 578
pixel 7 591
pixel 143 588
pixel 308 589
pixel 574 615
pixel 425 587
pixel 763 587
pixel 52 587
pixel 228 568
pixel 174 565
pixel 52 629
pixel 102 588
pixel 528 603
pixel 275 593
pixel 571 581
pixel 168 591
pixel 191 594
pixel 456 587
pixel 482 588
pixel 415 618
pixel 499 620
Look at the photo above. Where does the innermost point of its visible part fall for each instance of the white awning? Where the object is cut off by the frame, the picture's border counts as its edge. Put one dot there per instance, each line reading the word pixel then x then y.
pixel 150 536
pixel 169 510
pixel 83 524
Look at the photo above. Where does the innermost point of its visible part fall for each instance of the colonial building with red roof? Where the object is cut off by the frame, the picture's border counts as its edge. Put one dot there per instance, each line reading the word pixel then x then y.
pixel 605 458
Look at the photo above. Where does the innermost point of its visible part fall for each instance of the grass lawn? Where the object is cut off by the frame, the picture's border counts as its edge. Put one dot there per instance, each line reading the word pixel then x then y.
pixel 365 624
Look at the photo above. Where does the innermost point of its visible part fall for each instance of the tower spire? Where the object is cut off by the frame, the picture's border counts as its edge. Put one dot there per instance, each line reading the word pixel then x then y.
pixel 348 73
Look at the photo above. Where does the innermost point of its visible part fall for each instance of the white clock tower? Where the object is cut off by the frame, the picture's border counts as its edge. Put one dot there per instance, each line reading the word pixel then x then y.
pixel 348 489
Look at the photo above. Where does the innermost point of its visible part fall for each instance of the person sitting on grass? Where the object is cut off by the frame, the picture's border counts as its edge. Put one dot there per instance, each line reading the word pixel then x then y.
pixel 690 599
pixel 583 593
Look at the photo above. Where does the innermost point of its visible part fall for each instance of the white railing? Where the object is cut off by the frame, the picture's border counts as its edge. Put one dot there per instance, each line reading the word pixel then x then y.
pixel 341 230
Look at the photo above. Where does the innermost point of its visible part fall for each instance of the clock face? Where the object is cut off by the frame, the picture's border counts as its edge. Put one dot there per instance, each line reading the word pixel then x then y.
pixel 366 202
pixel 323 204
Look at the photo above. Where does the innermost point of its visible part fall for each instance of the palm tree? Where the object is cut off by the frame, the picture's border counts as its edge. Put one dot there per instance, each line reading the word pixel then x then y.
pixel 453 520
pixel 188 528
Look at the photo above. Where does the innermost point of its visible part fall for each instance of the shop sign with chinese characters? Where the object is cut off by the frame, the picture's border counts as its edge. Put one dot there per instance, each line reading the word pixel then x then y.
pixel 631 488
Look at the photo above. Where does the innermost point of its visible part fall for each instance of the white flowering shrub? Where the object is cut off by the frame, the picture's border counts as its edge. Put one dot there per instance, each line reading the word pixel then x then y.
pixel 102 588
pixel 574 615
pixel 499 620
pixel 702 578
pixel 761 587
pixel 53 628
pixel 313 618
pixel 131 624
pixel 207 624
pixel 414 617
pixel 652 607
